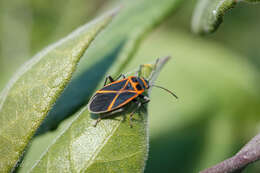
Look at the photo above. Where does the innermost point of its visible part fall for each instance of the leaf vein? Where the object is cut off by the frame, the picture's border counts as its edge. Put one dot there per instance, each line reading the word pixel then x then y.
pixel 96 152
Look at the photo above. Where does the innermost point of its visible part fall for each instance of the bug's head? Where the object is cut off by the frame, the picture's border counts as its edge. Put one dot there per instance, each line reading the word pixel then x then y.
pixel 146 85
pixel 142 82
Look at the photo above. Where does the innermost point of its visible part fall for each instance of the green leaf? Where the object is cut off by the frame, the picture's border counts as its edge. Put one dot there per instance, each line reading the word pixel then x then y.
pixel 114 48
pixel 136 18
pixel 208 14
pixel 112 146
pixel 31 93
pixel 210 83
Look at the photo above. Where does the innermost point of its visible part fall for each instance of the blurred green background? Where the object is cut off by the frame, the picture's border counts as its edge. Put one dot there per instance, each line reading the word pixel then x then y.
pixel 216 77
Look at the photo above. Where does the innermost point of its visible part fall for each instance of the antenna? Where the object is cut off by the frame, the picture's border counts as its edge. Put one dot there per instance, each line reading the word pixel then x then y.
pixel 166 90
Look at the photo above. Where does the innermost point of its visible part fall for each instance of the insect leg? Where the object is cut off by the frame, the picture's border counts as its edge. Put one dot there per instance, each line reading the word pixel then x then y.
pixel 108 78
pixel 121 75
pixel 98 120
pixel 106 115
pixel 145 98
pixel 139 104
pixel 112 80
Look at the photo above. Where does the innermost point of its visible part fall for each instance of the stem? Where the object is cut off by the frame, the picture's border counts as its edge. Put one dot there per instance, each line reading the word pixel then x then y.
pixel 248 154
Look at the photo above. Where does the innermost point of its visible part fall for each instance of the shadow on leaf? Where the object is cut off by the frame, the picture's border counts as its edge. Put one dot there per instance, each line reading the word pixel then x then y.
pixel 78 92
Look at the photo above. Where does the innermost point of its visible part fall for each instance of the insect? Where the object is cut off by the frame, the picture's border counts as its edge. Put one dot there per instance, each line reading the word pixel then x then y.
pixel 113 97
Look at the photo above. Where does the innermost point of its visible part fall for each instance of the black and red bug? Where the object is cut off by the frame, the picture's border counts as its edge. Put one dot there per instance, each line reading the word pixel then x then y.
pixel 114 96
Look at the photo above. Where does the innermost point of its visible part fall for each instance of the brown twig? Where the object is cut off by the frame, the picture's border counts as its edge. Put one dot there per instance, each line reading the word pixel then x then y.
pixel 248 154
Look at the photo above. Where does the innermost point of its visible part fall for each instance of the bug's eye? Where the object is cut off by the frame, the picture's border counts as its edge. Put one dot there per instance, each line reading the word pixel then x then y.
pixel 138 87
